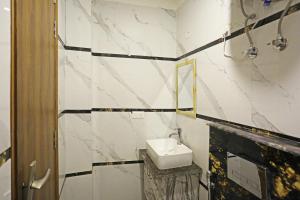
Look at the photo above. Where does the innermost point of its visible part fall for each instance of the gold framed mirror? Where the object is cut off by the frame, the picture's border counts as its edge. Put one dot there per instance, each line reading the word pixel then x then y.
pixel 186 88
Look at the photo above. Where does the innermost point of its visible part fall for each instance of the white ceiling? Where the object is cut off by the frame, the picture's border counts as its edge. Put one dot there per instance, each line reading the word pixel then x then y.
pixel 168 4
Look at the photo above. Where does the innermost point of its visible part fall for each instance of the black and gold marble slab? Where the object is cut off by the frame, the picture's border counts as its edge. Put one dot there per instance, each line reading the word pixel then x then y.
pixel 279 157
pixel 5 156
pixel 247 128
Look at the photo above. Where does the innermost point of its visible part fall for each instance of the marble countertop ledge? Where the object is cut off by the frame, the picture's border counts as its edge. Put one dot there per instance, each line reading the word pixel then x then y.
pixel 279 143
pixel 191 170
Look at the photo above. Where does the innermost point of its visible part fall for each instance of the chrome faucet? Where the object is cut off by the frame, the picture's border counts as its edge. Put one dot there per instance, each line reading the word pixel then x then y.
pixel 178 133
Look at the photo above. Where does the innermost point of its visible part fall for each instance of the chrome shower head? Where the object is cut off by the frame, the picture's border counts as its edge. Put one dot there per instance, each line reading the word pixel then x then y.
pixel 280 43
pixel 252 52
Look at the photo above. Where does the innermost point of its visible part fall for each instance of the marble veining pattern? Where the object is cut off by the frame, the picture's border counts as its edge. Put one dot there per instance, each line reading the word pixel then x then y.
pixel 115 84
pixel 109 139
pixel 127 32
pixel 78 17
pixel 252 84
pixel 224 16
pixel 178 184
pixel 78 142
pixel 78 80
pixel 122 83
pixel 266 139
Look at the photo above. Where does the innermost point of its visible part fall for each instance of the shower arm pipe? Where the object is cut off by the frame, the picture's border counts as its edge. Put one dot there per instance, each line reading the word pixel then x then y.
pixel 248 17
pixel 279 30
pixel 247 32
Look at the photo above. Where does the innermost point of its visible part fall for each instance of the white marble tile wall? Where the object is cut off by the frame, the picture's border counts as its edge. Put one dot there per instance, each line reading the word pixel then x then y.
pixel 118 182
pixel 5 181
pixel 61 152
pixel 62 19
pixel 78 188
pixel 78 81
pixel 133 30
pixel 78 143
pixel 78 23
pixel 123 141
pixel 202 21
pixel 61 77
pixel 129 83
pixel 263 92
pixel 61 106
pixel 5 175
pixel 78 138
pixel 61 92
pixel 5 75
pixel 133 83
pixel 75 139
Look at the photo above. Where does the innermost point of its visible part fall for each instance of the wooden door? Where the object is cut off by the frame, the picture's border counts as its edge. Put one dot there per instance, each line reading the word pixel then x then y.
pixel 34 95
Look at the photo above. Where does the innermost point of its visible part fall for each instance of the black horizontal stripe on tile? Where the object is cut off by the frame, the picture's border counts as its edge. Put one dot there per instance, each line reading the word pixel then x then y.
pixel 5 156
pixel 118 110
pixel 234 34
pixel 246 127
pixel 133 110
pixel 72 48
pixel 79 174
pixel 76 112
pixel 112 55
pixel 98 164
pixel 203 185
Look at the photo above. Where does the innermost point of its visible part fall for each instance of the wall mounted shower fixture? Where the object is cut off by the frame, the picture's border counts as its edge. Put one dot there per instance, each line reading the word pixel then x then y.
pixel 280 43
pixel 252 51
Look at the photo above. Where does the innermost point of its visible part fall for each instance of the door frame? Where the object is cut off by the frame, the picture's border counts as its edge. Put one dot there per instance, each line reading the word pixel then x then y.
pixel 15 194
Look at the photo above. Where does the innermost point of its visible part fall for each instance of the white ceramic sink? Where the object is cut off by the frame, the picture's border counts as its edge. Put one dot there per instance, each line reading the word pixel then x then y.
pixel 166 153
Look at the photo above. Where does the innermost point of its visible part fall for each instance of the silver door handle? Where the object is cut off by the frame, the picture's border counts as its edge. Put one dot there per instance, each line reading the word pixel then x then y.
pixel 38 184
pixel 34 184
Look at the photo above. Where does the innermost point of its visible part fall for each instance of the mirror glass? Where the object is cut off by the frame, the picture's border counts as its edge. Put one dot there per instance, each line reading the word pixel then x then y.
pixel 248 175
pixel 186 88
